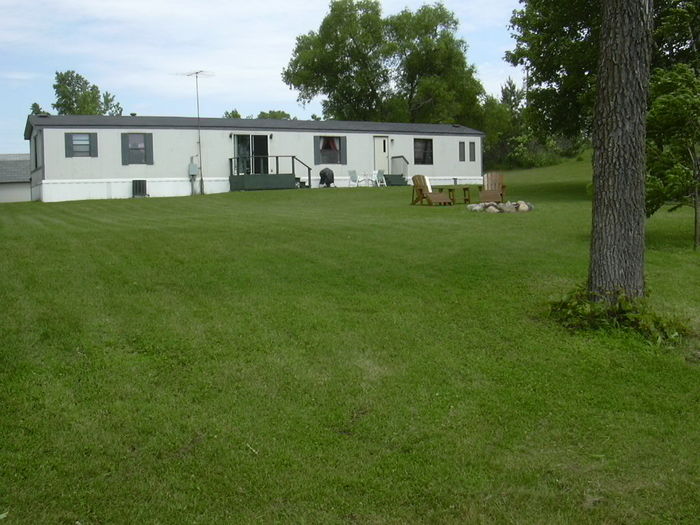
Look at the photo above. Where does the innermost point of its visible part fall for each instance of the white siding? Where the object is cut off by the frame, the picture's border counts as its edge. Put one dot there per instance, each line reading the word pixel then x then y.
pixel 104 176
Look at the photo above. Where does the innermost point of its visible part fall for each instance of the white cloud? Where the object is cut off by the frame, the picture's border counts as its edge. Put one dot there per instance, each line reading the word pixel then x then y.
pixel 139 45
pixel 136 49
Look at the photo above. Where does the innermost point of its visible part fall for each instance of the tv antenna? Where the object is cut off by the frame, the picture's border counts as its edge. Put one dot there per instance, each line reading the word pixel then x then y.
pixel 196 75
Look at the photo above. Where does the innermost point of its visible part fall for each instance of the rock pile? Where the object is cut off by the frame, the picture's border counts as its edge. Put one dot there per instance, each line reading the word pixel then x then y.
pixel 501 207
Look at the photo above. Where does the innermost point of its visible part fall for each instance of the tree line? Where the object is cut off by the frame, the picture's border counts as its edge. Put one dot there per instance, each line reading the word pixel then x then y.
pixel 75 95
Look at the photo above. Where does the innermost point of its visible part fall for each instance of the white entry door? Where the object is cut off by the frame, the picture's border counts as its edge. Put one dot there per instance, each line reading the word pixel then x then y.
pixel 381 153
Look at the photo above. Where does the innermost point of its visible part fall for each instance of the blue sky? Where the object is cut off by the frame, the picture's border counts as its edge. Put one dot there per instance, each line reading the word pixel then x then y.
pixel 138 50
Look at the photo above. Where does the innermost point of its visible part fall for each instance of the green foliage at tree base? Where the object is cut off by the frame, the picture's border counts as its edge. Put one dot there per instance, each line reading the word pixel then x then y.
pixel 579 310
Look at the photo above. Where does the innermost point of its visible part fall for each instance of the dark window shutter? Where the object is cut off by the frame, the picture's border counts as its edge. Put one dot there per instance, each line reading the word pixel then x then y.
pixel 472 151
pixel 462 156
pixel 125 149
pixel 149 147
pixel 93 144
pixel 343 150
pixel 69 144
pixel 317 150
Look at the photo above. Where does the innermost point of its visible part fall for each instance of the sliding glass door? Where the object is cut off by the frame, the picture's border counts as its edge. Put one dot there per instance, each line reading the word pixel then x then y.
pixel 251 154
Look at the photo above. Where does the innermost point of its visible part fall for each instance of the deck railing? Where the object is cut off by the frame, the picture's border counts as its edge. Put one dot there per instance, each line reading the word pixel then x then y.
pixel 261 165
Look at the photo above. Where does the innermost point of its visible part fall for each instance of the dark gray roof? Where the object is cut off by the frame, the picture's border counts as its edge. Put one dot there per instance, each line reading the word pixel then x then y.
pixel 323 126
pixel 14 167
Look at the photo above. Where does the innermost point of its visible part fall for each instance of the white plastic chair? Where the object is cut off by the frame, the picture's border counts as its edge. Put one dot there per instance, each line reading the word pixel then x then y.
pixel 372 178
pixel 356 180
pixel 379 178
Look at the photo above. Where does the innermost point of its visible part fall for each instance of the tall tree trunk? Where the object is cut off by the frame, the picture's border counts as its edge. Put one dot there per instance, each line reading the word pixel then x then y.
pixel 617 240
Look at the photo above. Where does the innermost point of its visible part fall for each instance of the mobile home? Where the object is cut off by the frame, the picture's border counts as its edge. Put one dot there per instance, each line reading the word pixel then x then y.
pixel 101 157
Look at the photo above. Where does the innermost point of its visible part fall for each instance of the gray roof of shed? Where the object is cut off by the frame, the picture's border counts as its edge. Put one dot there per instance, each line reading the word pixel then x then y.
pixel 322 126
pixel 14 167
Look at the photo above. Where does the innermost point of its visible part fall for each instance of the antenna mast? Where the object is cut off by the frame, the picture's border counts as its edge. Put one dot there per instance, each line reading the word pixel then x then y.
pixel 196 74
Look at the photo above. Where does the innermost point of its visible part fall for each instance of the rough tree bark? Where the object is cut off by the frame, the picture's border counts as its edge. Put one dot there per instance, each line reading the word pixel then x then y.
pixel 619 131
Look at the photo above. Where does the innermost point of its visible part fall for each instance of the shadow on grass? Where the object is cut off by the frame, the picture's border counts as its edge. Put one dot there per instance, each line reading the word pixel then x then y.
pixel 669 239
pixel 565 191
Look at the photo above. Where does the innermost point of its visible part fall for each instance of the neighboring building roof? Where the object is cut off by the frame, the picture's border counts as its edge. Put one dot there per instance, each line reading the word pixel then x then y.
pixel 14 167
pixel 322 126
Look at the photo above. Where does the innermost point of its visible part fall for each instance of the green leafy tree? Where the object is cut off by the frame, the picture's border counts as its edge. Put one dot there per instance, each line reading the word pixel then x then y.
pixel 497 123
pixel 557 41
pixel 76 96
pixel 346 61
pixel 510 142
pixel 276 114
pixel 36 109
pixel 677 33
pixel 110 106
pixel 232 114
pixel 673 141
pixel 513 97
pixel 428 67
pixel 409 67
pixel 502 121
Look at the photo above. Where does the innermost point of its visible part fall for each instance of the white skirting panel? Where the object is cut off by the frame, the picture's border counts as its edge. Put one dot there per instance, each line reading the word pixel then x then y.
pixel 85 189
pixel 15 192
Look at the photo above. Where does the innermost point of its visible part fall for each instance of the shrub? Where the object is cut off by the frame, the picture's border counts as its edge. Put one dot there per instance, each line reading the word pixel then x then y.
pixel 580 310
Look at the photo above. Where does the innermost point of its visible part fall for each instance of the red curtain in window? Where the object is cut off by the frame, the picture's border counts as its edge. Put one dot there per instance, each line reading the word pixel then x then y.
pixel 330 143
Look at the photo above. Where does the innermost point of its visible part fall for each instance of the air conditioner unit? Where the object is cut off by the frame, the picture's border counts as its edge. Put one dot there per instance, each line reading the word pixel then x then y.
pixel 139 188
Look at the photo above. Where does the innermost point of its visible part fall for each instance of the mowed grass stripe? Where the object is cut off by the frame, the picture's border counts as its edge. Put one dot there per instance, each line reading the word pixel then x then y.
pixel 333 356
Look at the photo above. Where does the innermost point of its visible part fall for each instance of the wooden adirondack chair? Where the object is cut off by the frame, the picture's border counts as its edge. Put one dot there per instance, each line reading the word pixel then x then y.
pixel 423 192
pixel 493 189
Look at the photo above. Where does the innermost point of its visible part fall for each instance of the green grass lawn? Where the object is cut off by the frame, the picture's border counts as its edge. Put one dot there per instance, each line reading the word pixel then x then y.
pixel 335 356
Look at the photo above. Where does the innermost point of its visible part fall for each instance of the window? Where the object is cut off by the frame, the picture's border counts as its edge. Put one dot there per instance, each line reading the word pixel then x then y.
pixel 423 151
pixel 81 144
pixel 472 151
pixel 462 155
pixel 330 150
pixel 137 148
